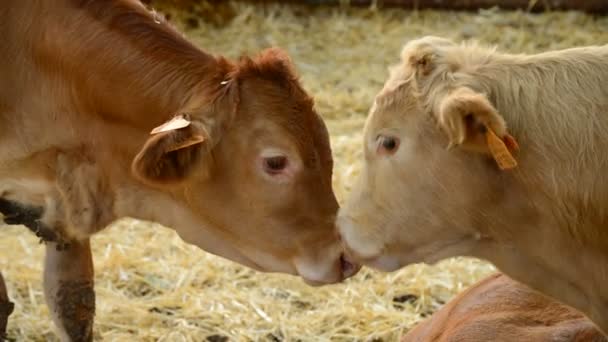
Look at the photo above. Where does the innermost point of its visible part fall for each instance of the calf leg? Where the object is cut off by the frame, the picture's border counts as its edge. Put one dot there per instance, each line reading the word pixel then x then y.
pixel 69 290
pixel 6 308
pixel 85 195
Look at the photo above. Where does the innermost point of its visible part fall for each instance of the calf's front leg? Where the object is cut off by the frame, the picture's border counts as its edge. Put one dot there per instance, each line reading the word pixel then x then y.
pixel 6 308
pixel 69 290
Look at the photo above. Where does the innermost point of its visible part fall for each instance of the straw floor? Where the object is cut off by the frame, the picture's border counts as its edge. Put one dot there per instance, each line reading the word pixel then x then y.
pixel 152 287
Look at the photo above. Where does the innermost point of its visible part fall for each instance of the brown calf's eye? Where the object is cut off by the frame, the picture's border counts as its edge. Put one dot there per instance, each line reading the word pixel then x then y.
pixel 275 165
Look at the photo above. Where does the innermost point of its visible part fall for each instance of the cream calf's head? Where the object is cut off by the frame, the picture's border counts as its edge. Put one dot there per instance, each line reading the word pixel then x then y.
pixel 252 172
pixel 428 174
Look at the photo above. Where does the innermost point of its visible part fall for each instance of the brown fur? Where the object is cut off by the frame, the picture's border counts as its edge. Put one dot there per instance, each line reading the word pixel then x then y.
pixel 86 83
pixel 542 223
pixel 500 309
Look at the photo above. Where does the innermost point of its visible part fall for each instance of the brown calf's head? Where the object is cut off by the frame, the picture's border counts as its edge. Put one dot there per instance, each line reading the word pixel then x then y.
pixel 254 168
pixel 434 148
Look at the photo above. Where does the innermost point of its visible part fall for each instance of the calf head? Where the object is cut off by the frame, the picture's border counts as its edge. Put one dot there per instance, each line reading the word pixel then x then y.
pixel 431 173
pixel 253 169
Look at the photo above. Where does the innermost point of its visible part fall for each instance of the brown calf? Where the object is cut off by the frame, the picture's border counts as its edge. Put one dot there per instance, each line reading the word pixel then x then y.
pixel 107 112
pixel 542 222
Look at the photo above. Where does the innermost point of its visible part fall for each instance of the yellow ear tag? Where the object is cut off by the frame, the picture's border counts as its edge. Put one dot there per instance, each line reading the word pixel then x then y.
pixel 500 151
pixel 179 121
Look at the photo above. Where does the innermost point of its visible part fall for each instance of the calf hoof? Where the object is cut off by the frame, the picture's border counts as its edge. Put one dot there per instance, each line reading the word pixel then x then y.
pixel 75 305
pixel 6 308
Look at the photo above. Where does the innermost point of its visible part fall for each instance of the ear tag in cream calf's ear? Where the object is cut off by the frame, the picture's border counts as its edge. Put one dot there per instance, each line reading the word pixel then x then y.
pixel 499 148
pixel 178 121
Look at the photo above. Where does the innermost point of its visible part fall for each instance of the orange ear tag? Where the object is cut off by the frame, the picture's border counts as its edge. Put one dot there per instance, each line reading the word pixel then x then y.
pixel 500 151
pixel 177 122
pixel 511 143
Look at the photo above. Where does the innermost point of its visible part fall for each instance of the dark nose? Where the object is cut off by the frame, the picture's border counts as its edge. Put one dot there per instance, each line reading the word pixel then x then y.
pixel 349 267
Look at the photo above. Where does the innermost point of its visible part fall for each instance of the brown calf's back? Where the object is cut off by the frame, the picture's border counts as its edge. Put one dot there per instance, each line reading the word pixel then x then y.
pixel 500 309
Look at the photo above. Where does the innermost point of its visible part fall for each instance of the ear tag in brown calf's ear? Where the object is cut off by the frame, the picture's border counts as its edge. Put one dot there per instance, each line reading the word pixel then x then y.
pixel 179 121
pixel 499 148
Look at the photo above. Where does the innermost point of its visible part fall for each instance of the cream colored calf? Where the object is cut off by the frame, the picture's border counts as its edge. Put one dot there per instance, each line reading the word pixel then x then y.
pixel 539 212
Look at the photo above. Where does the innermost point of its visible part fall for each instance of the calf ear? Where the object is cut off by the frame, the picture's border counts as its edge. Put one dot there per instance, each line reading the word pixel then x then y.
pixel 470 121
pixel 421 54
pixel 182 145
pixel 171 153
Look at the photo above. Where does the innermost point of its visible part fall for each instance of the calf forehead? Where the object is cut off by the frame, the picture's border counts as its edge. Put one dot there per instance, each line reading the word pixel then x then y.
pixel 311 137
pixel 391 110
pixel 291 109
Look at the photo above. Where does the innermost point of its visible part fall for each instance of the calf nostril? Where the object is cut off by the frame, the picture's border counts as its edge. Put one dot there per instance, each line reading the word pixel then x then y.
pixel 348 268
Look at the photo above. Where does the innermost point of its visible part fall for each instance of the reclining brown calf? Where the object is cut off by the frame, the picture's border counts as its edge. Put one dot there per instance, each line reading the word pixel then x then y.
pixel 539 214
pixel 500 309
pixel 107 112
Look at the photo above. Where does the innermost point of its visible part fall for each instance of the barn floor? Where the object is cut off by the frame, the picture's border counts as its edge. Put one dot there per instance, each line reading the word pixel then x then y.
pixel 152 287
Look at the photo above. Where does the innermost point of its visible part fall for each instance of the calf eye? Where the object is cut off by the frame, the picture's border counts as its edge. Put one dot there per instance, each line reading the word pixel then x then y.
pixel 274 165
pixel 387 144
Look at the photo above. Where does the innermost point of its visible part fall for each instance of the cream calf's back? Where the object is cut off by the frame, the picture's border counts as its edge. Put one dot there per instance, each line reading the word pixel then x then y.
pixel 500 309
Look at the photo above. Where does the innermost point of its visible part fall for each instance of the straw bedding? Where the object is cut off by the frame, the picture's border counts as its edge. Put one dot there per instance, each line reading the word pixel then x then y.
pixel 152 287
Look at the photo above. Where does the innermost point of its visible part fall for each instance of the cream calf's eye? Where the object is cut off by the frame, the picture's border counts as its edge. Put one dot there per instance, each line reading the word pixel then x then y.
pixel 387 145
